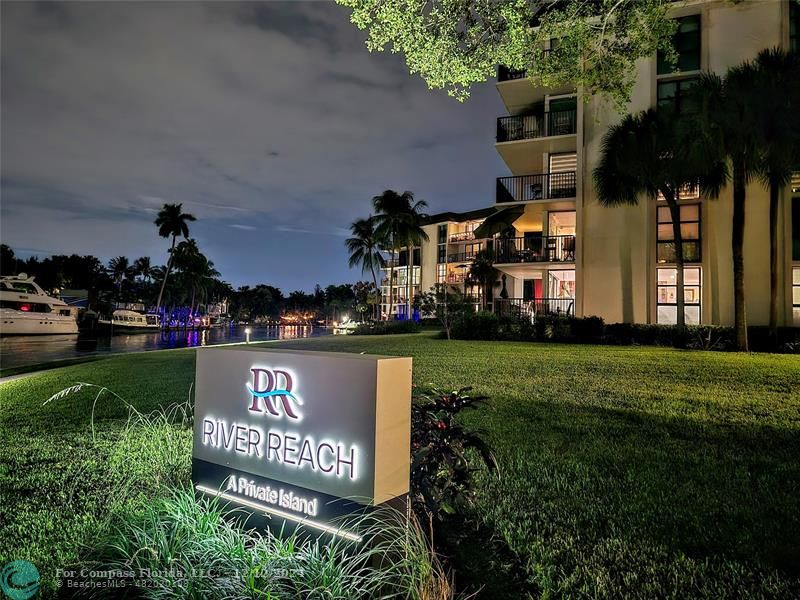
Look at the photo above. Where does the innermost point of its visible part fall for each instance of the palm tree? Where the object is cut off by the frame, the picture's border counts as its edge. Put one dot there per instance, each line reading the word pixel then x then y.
pixel 727 126
pixel 364 249
pixel 120 269
pixel 191 263
pixel 142 268
pixel 202 278
pixel 482 272
pixel 171 221
pixel 652 153
pixel 778 131
pixel 398 224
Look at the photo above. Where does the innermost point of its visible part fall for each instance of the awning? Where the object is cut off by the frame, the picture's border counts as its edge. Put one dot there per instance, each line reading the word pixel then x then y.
pixel 500 221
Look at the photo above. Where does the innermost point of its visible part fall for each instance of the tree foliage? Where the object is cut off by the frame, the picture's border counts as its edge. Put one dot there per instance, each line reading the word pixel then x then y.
pixel 454 44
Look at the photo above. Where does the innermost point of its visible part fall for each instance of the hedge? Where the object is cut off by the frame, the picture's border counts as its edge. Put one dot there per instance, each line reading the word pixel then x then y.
pixel 592 330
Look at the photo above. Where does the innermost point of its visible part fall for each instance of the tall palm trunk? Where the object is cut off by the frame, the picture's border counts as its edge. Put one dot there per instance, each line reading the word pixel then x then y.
pixel 737 248
pixel 375 306
pixel 391 285
pixel 774 191
pixel 670 195
pixel 409 275
pixel 166 273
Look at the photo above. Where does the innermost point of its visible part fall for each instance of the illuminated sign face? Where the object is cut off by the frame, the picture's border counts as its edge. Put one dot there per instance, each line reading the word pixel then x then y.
pixel 303 436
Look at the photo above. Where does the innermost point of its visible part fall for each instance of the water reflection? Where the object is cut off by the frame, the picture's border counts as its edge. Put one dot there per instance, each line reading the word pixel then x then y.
pixel 28 350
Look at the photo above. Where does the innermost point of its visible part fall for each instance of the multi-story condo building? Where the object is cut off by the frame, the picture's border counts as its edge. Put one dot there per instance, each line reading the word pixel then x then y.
pixel 564 252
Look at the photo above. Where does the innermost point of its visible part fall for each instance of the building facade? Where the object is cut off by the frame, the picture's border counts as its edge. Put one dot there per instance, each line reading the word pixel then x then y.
pixel 564 252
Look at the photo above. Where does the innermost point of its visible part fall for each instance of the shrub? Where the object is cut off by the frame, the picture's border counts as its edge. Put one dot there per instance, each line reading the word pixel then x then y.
pixel 553 328
pixel 696 337
pixel 441 461
pixel 710 337
pixel 387 327
pixel 556 328
pixel 476 326
pixel 788 339
pixel 587 330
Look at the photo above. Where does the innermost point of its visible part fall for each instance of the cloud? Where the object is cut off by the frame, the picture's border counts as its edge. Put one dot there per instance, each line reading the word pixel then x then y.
pixel 287 229
pixel 243 227
pixel 271 110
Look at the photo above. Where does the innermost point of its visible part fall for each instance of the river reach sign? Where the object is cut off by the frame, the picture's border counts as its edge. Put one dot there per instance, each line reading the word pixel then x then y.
pixel 301 436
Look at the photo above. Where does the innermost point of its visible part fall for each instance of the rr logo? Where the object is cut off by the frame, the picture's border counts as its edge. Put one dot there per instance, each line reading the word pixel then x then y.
pixel 272 385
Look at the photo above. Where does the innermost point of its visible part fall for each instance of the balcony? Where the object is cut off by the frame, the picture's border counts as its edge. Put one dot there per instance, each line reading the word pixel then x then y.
pixel 552 248
pixel 461 236
pixel 522 139
pixel 527 188
pixel 506 74
pixel 530 309
pixel 529 127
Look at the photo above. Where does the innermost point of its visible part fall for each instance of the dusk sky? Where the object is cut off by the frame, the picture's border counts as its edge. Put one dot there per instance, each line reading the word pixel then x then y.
pixel 270 122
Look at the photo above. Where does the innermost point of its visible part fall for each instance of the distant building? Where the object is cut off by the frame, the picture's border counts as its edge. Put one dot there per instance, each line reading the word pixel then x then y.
pixel 76 298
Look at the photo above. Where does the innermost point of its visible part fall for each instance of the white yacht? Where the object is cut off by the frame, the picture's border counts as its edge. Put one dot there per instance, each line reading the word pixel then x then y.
pixel 26 310
pixel 127 321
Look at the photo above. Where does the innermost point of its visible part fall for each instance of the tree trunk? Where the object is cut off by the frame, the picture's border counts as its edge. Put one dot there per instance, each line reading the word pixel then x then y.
pixel 774 191
pixel 166 274
pixel 376 306
pixel 737 248
pixel 409 275
pixel 680 297
pixel 391 285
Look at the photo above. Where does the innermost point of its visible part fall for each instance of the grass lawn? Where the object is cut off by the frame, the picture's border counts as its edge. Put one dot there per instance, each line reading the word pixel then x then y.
pixel 625 471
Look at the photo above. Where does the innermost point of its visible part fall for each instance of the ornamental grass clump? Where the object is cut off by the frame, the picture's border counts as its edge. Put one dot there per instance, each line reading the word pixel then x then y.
pixel 183 546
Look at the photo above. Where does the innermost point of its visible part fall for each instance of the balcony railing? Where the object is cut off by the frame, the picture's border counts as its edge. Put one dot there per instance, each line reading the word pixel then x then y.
pixel 456 278
pixel 461 236
pixel 506 74
pixel 536 187
pixel 527 127
pixel 551 248
pixel 530 309
pixel 393 263
pixel 463 256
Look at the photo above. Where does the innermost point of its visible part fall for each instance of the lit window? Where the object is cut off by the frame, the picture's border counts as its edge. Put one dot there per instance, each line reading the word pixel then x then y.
pixel 667 295
pixel 441 273
pixel 796 228
pixel 796 295
pixel 690 232
pixel 686 42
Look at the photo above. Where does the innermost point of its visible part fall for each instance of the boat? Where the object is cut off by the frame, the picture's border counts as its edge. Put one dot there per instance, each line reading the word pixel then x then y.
pixel 129 321
pixel 346 327
pixel 25 309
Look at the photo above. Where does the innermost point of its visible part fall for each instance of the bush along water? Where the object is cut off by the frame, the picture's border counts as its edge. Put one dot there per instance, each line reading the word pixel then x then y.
pixel 387 327
pixel 592 330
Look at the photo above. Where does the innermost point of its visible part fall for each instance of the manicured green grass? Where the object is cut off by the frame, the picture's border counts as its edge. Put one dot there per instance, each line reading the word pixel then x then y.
pixel 637 472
